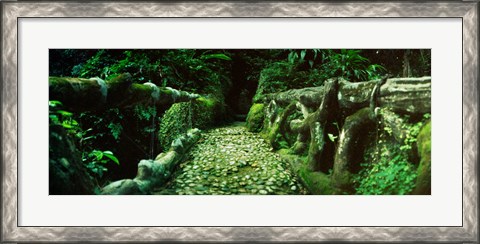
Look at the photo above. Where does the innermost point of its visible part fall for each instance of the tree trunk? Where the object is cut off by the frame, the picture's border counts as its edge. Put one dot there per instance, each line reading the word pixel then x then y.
pixel 79 94
pixel 407 70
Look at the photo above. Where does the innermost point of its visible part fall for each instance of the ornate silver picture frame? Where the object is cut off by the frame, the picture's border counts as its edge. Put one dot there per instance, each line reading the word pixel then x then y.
pixel 12 12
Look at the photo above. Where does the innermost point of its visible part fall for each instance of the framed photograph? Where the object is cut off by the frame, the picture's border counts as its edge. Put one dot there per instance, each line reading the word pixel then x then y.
pixel 237 121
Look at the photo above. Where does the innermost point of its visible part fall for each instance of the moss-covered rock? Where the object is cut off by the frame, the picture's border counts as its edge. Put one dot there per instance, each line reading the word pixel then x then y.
pixel 424 141
pixel 316 182
pixel 255 117
pixel 180 117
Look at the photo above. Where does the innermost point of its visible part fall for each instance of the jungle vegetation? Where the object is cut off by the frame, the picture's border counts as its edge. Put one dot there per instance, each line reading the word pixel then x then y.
pixel 272 121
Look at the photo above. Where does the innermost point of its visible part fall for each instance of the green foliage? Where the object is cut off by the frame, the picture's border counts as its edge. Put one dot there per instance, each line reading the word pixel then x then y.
pixel 115 129
pixel 346 63
pixel 391 175
pixel 350 65
pixel 281 76
pixel 412 133
pixel 96 159
pixel 311 67
pixel 311 56
pixel 144 112
pixel 391 171
pixel 106 127
pixel 63 118
pixel 94 67
pixel 216 56
pixel 185 69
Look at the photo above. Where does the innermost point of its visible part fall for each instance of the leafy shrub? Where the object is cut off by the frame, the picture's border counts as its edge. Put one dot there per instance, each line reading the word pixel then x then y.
pixel 58 116
pixel 96 159
pixel 282 76
pixel 311 67
pixel 391 175
pixel 186 69
pixel 93 159
pixel 412 132
pixel 392 169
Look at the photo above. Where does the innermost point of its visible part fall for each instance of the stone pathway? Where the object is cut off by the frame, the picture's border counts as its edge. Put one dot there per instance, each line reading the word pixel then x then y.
pixel 230 160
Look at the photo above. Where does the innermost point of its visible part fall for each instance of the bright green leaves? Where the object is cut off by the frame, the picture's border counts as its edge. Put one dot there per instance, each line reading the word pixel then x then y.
pixel 346 63
pixel 64 118
pixel 93 159
pixel 350 65
pixel 101 156
pixel 388 169
pixel 393 174
pixel 54 103
pixel 216 56
pixel 412 133
pixel 96 159
pixel 300 56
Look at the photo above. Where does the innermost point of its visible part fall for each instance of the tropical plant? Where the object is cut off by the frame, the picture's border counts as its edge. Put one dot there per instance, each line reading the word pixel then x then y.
pixel 349 64
pixel 393 174
pixel 58 116
pixel 96 160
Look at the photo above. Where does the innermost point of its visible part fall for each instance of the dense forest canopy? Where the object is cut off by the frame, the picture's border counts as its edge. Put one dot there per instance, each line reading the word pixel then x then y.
pixel 210 88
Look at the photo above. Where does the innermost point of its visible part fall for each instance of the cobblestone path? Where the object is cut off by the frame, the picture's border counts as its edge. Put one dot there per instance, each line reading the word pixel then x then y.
pixel 230 160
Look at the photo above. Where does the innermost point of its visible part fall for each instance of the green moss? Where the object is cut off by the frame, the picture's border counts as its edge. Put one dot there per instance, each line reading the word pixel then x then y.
pixel 272 136
pixel 285 151
pixel 424 141
pixel 200 113
pixel 173 123
pixel 208 102
pixel 317 183
pixel 255 117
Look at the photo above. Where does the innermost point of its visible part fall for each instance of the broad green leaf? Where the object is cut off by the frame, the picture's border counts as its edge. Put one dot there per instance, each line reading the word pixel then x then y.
pixel 97 154
pixel 216 56
pixel 302 54
pixel 113 158
pixel 54 103
pixel 64 113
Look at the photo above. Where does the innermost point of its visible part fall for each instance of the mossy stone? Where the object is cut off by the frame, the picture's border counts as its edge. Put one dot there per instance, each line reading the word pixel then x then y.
pixel 424 141
pixel 200 113
pixel 317 183
pixel 255 117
